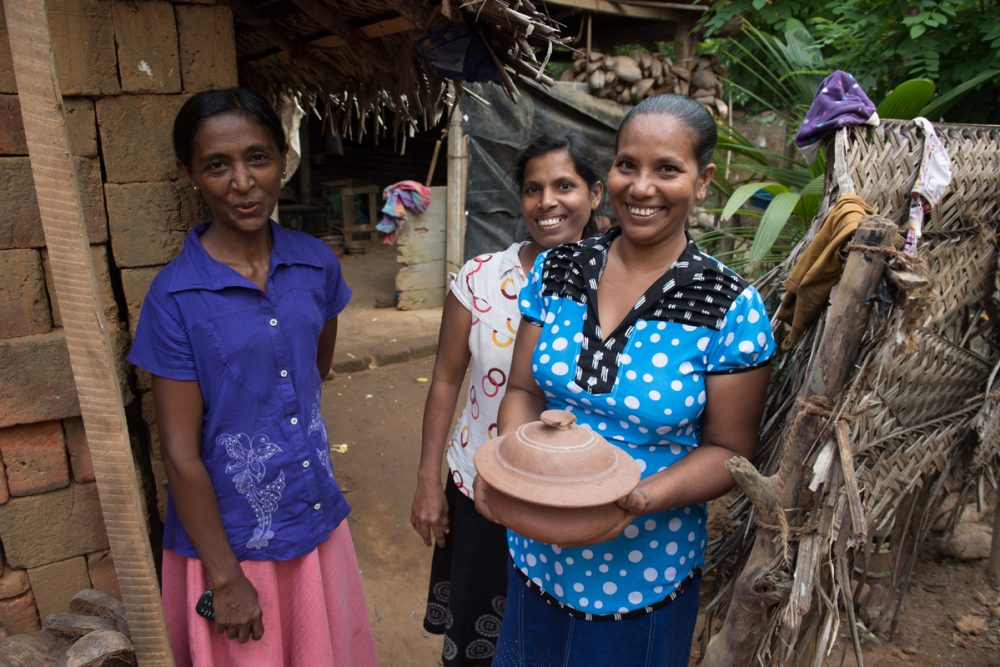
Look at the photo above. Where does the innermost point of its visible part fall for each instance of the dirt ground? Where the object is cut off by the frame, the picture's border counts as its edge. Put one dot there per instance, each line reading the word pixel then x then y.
pixel 374 424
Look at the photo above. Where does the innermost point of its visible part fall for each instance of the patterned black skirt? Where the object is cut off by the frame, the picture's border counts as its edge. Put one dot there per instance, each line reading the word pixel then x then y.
pixel 465 601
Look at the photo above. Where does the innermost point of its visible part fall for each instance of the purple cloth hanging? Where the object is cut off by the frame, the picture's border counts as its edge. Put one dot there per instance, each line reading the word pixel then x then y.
pixel 840 102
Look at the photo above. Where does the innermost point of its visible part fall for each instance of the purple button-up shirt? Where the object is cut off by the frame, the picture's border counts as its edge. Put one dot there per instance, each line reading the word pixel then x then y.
pixel 253 353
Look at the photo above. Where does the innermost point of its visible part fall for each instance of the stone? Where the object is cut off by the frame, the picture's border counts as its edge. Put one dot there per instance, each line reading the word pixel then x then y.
pixel 12 140
pixel 101 648
pixel 971 541
pixel 149 221
pixel 55 584
pixel 423 346
pixel 101 568
pixel 100 604
pixel 135 283
pixel 83 45
pixel 50 527
pixel 7 81
pixel 136 138
pixel 24 302
pixel 79 453
pixel 392 353
pixel 19 614
pixel 35 458
pixel 146 36
pixel 20 221
pixel 972 624
pixel 13 583
pixel 38 648
pixel 99 260
pixel 36 381
pixel 348 362
pixel 207 47
pixel 74 626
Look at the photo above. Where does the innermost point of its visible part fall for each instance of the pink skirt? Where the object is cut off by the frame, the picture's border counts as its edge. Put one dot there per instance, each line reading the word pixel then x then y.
pixel 314 611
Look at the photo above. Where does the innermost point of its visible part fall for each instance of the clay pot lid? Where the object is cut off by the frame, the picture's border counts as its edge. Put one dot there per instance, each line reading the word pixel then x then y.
pixel 553 462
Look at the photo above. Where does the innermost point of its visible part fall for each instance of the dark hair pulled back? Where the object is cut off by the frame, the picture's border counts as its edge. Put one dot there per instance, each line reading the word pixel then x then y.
pixel 689 112
pixel 580 154
pixel 210 103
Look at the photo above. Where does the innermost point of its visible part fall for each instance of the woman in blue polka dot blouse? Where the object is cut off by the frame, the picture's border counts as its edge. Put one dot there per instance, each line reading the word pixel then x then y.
pixel 662 350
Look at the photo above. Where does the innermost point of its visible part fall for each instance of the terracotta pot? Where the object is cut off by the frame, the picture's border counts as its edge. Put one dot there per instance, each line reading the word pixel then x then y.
pixel 554 463
pixel 554 525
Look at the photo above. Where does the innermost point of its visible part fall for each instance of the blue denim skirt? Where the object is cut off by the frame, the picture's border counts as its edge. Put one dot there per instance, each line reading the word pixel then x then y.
pixel 537 634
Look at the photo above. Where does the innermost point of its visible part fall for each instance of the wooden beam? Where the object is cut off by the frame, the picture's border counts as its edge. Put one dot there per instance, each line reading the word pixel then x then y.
pixel 91 352
pixel 372 31
pixel 659 11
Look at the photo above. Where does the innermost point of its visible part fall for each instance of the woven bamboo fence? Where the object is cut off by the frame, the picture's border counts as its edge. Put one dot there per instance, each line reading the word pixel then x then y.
pixel 919 406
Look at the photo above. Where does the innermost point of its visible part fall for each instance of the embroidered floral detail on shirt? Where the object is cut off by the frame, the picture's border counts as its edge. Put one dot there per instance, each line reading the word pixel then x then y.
pixel 247 456
pixel 317 423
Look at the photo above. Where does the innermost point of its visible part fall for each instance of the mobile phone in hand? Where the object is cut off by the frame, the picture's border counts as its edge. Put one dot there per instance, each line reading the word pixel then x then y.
pixel 204 607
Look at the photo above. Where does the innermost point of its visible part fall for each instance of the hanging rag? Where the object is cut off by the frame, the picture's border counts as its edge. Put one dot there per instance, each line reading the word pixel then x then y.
pixel 839 102
pixel 398 198
pixel 933 179
pixel 818 270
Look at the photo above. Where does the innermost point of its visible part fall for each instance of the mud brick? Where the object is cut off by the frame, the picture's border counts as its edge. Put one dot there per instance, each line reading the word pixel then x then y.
pixel 20 221
pixel 12 141
pixel 149 416
pixel 146 35
pixel 160 477
pixel 51 527
pixel 83 44
pixel 135 283
pixel 82 123
pixel 7 82
pixel 135 137
pixel 13 583
pixel 38 648
pixel 149 221
pixel 19 614
pixel 207 47
pixel 79 452
pixel 36 381
pixel 101 568
pixel 99 259
pixel 24 304
pixel 55 584
pixel 4 491
pixel 35 457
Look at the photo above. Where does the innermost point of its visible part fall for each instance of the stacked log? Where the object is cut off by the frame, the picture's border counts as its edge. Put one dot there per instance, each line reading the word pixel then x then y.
pixel 629 79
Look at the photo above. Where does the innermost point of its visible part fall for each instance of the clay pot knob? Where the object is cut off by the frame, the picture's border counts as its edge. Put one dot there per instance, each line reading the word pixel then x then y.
pixel 560 419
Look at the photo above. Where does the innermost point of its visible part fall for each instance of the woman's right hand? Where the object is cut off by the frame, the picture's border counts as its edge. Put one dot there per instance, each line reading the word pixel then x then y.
pixel 429 514
pixel 237 611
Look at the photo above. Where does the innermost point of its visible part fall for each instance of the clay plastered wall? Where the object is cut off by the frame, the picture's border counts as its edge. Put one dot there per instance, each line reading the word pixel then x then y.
pixel 125 67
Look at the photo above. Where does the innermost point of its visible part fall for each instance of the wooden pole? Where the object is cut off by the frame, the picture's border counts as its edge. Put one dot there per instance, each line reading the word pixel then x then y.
pixel 91 353
pixel 455 234
pixel 764 579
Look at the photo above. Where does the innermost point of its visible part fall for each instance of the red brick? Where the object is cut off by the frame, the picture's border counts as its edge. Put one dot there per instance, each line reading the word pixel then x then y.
pixel 12 141
pixel 19 614
pixel 79 452
pixel 146 36
pixel 207 47
pixel 136 137
pixel 20 221
pixel 148 221
pixel 55 584
pixel 135 283
pixel 13 583
pixel 83 44
pixel 35 456
pixel 7 82
pixel 50 527
pixel 36 381
pixel 103 577
pixel 24 303
pixel 99 259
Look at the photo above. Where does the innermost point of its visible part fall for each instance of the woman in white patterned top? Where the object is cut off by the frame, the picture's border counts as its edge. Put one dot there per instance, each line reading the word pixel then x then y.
pixel 560 188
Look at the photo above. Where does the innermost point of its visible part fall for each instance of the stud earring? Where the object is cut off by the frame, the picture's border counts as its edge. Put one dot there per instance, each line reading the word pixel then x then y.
pixel 195 188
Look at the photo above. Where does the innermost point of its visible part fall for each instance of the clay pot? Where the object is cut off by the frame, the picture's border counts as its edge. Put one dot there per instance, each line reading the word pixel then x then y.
pixel 554 481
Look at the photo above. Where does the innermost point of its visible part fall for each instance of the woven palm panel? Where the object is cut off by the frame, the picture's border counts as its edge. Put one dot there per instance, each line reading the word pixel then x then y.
pixel 961 269
pixel 883 163
pixel 933 378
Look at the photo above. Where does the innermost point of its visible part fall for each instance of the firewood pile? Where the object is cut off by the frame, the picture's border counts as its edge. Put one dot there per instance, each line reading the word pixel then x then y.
pixel 629 79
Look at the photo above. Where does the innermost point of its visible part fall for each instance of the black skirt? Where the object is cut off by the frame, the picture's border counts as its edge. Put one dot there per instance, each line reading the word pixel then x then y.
pixel 465 601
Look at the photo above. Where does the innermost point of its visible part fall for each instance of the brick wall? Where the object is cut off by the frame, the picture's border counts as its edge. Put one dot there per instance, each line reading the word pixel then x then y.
pixel 125 67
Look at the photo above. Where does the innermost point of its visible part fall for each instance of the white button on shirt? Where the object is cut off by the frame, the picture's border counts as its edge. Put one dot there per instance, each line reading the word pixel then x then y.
pixel 273 322
pixel 293 421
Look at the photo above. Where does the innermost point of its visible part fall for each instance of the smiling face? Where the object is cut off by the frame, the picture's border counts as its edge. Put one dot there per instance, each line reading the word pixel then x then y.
pixel 655 180
pixel 555 199
pixel 236 164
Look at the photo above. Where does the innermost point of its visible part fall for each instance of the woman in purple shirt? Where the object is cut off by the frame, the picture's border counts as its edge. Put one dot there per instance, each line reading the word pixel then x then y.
pixel 237 333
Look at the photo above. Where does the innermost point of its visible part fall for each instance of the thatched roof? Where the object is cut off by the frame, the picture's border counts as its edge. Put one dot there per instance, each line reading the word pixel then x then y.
pixel 356 61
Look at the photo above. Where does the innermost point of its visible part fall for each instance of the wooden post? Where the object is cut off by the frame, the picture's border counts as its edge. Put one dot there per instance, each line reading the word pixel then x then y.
pixel 455 235
pixel 91 353
pixel 764 579
pixel 993 568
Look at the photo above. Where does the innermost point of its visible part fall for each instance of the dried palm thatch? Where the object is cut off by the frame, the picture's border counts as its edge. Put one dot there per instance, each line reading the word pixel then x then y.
pixel 867 455
pixel 355 61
